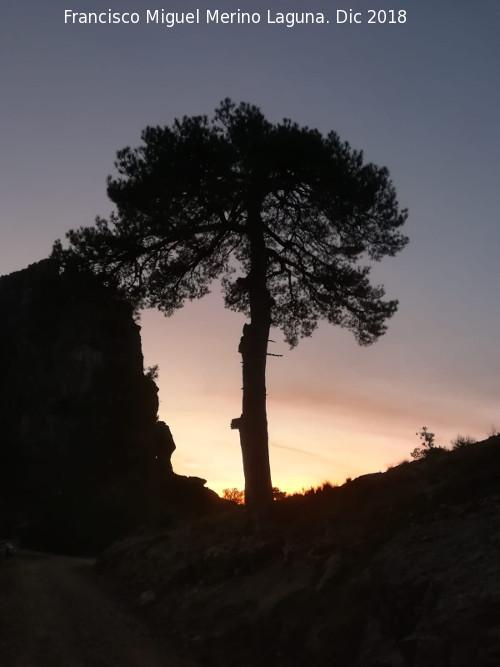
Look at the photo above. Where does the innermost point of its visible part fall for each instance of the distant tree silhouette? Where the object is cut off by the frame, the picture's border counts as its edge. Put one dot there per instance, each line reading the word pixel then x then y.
pixel 428 448
pixel 278 494
pixel 427 439
pixel 280 213
pixel 235 495
pixel 238 496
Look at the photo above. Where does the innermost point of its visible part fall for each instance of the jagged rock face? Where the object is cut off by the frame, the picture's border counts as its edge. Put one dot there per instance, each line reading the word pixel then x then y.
pixel 79 435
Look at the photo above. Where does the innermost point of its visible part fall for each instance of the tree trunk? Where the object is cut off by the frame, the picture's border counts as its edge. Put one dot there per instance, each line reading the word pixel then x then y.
pixel 253 422
pixel 253 349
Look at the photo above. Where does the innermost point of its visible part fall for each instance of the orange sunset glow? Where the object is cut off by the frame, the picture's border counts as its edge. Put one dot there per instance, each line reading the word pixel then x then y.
pixel 335 410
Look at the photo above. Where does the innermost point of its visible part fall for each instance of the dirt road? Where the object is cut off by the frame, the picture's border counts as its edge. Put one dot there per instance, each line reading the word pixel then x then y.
pixel 54 612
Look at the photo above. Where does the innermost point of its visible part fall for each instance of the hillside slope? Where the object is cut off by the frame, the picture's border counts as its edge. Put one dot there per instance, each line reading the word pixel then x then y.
pixel 393 569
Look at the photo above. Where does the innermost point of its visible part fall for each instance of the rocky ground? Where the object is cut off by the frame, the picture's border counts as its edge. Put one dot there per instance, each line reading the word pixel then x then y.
pixel 390 570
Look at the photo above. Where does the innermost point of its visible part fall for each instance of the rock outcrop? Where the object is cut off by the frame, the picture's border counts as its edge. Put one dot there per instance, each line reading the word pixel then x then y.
pixel 82 453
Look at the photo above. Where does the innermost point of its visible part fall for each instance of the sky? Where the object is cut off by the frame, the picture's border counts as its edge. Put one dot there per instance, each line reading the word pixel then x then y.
pixel 420 97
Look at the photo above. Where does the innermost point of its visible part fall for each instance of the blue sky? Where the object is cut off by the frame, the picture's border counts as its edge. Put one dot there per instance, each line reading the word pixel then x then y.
pixel 421 98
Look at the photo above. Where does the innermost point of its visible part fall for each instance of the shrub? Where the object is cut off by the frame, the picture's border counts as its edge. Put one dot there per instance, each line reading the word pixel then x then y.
pixel 152 372
pixel 462 441
pixel 328 486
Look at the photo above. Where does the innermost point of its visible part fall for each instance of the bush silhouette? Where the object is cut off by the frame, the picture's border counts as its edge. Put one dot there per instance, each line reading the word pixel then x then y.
pixel 462 441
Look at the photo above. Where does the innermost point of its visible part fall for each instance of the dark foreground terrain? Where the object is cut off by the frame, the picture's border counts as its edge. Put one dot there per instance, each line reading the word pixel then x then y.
pixel 390 570
pixel 56 612
pixel 400 569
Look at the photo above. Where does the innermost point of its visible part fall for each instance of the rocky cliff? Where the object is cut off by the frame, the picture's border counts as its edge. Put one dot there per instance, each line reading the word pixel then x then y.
pixel 82 453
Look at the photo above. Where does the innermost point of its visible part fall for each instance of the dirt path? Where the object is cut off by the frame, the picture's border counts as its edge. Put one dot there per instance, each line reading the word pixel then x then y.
pixel 55 613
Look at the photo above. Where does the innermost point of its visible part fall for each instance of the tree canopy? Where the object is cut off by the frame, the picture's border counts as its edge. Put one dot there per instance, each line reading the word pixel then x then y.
pixel 182 202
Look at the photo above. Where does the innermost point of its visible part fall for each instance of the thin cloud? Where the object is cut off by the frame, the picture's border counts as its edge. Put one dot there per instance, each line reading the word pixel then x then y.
pixel 307 452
